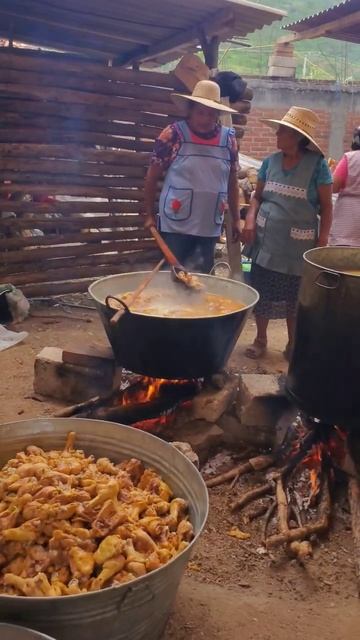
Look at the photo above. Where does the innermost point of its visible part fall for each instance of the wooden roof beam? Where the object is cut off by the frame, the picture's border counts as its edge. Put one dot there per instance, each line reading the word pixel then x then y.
pixel 213 26
pixel 328 29
pixel 63 20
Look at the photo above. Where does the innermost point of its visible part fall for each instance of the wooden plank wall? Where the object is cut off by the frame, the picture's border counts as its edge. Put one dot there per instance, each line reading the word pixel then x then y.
pixel 82 130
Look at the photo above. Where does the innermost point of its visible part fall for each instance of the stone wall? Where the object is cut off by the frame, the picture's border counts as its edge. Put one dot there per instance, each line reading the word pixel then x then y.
pixel 338 109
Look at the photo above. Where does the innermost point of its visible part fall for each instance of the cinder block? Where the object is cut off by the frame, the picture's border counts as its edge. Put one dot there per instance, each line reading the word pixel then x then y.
pixel 89 355
pixel 281 72
pixel 282 61
pixel 71 383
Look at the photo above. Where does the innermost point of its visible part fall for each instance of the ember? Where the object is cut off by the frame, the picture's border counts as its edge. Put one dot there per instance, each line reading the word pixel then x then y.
pixel 305 469
pixel 147 389
pixel 146 403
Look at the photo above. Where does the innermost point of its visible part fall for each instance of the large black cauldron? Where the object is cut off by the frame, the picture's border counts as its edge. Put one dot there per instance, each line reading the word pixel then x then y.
pixel 324 372
pixel 172 348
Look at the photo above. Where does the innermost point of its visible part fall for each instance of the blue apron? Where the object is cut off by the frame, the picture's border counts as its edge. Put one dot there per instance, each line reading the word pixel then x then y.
pixel 287 223
pixel 195 191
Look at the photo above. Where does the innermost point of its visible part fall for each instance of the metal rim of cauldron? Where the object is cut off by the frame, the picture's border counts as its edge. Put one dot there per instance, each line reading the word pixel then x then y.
pixel 142 342
pixel 168 318
pixel 134 583
pixel 308 258
pixel 4 626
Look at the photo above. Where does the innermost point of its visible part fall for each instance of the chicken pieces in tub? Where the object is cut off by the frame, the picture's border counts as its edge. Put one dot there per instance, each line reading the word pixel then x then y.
pixel 71 524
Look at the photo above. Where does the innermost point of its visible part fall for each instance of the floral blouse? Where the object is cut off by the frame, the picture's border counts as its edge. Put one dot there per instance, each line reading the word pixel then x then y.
pixel 169 141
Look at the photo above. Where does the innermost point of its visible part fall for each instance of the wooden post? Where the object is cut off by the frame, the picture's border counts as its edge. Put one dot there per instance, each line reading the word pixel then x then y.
pixel 210 47
pixel 233 251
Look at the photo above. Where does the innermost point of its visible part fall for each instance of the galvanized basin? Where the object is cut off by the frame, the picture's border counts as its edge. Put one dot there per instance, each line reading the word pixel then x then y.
pixel 135 611
pixel 13 632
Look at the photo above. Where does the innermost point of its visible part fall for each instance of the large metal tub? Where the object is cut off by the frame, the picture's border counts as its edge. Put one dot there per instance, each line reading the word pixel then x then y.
pixel 324 371
pixel 13 632
pixel 135 611
pixel 173 347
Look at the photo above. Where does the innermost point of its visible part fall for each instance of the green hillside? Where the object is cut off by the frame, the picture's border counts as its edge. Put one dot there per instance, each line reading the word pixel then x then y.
pixel 317 59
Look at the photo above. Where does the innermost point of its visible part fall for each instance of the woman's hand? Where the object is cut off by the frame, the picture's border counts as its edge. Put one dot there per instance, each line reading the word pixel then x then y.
pixel 149 221
pixel 249 231
pixel 322 240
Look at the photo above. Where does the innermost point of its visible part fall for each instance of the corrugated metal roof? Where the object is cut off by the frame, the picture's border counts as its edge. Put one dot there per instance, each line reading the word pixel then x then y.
pixel 350 33
pixel 138 29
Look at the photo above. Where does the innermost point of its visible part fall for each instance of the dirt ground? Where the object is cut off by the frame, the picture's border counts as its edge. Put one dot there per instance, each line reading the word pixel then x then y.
pixel 231 589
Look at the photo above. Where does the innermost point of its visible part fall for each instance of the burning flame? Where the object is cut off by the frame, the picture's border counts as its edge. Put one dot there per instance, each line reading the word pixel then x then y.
pixel 144 391
pixel 314 461
pixel 153 425
pixel 334 448
pixel 149 389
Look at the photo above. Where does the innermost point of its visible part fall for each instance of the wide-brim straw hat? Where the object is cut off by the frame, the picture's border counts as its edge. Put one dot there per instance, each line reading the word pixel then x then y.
pixel 205 92
pixel 301 120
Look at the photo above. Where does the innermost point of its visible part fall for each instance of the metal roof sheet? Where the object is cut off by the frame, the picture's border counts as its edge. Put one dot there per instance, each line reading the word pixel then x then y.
pixel 139 29
pixel 349 32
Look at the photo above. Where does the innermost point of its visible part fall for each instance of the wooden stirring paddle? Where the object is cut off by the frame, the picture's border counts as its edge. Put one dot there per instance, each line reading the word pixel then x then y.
pixel 116 317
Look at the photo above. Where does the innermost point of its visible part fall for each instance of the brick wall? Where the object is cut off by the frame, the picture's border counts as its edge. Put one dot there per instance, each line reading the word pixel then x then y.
pixel 337 107
pixel 260 140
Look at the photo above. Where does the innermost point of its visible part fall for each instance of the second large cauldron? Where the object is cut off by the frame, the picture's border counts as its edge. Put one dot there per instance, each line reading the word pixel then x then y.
pixel 324 372
pixel 172 348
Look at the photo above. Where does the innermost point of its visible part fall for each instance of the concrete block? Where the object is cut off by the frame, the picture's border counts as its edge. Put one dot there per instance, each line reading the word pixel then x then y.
pixel 281 72
pixel 211 403
pixel 201 436
pixel 71 383
pixel 259 405
pixel 257 385
pixel 89 355
pixel 282 61
pixel 260 436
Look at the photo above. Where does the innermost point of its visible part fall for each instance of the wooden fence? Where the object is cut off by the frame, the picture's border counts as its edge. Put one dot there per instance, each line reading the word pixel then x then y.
pixel 82 132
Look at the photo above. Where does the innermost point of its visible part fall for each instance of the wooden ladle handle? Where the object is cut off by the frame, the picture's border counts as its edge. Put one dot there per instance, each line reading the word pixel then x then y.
pixel 116 317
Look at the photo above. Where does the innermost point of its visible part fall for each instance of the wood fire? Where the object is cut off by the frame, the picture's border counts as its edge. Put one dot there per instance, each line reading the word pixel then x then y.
pixel 300 478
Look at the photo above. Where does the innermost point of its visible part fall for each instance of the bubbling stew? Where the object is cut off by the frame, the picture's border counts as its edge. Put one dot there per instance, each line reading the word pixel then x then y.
pixel 156 302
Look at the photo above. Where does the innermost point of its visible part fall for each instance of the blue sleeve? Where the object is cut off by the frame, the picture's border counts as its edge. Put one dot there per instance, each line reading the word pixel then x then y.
pixel 263 170
pixel 322 173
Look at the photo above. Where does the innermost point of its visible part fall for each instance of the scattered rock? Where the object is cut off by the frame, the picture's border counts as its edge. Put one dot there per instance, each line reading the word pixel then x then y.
pixel 210 404
pixel 257 385
pixel 186 450
pixel 260 436
pixel 259 405
pixel 71 383
pixel 201 436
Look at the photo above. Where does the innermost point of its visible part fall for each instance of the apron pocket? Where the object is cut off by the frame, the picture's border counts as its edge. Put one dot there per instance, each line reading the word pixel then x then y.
pixel 221 206
pixel 178 203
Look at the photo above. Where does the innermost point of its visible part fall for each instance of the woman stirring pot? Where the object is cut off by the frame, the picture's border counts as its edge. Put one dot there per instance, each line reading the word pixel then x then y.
pixel 290 213
pixel 198 158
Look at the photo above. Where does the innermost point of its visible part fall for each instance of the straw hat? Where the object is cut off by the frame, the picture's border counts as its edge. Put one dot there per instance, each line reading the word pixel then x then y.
pixel 205 92
pixel 302 120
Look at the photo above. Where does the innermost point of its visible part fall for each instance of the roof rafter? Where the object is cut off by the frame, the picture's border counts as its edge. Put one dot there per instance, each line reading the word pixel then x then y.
pixel 214 23
pixel 324 30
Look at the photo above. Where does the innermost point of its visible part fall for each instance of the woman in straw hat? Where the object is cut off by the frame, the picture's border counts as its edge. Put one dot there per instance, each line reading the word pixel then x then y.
pixel 290 213
pixel 198 158
pixel 345 228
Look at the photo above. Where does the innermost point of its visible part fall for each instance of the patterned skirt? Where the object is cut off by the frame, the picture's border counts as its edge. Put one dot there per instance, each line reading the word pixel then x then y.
pixel 278 292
